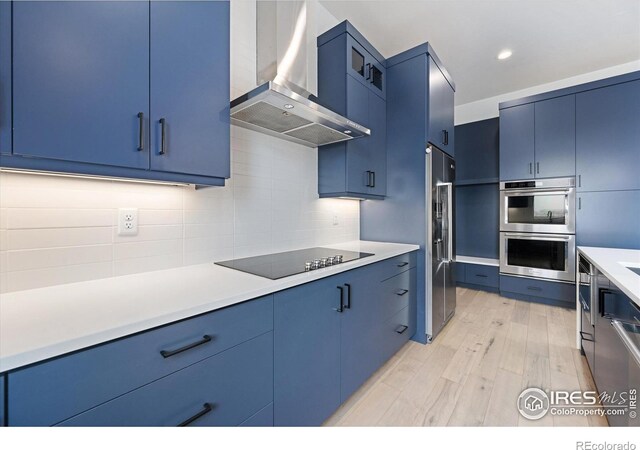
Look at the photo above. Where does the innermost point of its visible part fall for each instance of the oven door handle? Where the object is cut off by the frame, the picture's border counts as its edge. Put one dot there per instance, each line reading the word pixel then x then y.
pixel 539 237
pixel 530 192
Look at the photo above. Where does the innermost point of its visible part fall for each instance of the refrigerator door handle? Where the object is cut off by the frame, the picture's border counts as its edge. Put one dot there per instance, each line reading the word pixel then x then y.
pixel 449 208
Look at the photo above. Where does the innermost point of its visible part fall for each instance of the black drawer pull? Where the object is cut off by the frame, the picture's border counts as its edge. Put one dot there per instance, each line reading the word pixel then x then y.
pixel 401 292
pixel 163 137
pixel 481 276
pixel 206 408
pixel 348 305
pixel 583 334
pixel 401 329
pixel 534 288
pixel 402 264
pixel 140 131
pixel 167 353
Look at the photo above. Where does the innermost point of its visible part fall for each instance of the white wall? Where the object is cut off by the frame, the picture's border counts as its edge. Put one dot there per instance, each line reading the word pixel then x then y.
pixel 57 230
pixel 488 107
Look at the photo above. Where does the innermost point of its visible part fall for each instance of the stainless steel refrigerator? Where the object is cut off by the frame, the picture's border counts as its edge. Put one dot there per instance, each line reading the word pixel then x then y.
pixel 440 242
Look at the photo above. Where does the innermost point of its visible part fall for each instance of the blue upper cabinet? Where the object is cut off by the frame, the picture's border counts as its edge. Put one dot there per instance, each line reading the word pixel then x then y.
pixel 352 82
pixel 190 87
pixel 477 150
pixel 128 89
pixel 595 223
pixel 80 81
pixel 441 109
pixel 608 138
pixel 555 137
pixel 517 142
pixel 5 77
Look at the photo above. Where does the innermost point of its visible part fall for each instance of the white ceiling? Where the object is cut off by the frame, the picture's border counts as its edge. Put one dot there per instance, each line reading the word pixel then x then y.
pixel 551 40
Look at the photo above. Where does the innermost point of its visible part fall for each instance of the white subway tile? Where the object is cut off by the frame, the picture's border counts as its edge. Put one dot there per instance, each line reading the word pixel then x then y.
pixel 141 249
pixel 25 218
pixel 60 256
pixel 151 233
pixel 57 237
pixel 32 279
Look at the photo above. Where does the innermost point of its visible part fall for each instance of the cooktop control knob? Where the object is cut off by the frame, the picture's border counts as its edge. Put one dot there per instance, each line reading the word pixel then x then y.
pixel 338 259
pixel 323 262
pixel 316 264
pixel 307 266
pixel 330 261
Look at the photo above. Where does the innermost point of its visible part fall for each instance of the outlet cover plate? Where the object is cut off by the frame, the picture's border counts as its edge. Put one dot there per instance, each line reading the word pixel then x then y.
pixel 127 221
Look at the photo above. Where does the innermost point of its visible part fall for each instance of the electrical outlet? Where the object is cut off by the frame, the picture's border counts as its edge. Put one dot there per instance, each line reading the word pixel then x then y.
pixel 335 219
pixel 127 222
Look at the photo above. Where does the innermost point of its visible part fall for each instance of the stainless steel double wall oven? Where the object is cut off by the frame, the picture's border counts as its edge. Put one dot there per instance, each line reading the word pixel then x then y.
pixel 537 228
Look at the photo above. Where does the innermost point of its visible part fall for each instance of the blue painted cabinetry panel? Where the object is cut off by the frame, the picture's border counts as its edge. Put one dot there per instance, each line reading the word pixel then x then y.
pixel 5 77
pixel 307 352
pixel 608 219
pixel 441 109
pixel 479 275
pixel 80 79
pixel 353 83
pixel 538 290
pixel 190 87
pixel 477 152
pixel 263 418
pixel 608 137
pixel 555 137
pixel 47 393
pixel 2 401
pixel 517 142
pixel 478 220
pixel 227 389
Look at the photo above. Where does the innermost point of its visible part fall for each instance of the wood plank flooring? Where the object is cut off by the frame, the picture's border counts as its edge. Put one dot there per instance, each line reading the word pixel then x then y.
pixel 472 374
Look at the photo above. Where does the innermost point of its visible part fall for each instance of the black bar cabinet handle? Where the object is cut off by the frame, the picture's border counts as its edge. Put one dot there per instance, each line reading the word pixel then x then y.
pixel 167 353
pixel 582 335
pixel 401 292
pixel 579 180
pixel 348 305
pixel 163 138
pixel 534 288
pixel 368 71
pixel 530 168
pixel 206 408
pixel 402 264
pixel 140 131
pixel 368 178
pixel 537 167
pixel 341 307
pixel 373 179
pixel 401 329
pixel 481 276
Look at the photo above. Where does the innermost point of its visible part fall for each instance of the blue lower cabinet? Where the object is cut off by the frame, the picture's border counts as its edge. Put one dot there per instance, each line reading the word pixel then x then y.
pixel 307 352
pixel 595 223
pixel 358 330
pixel 263 418
pixel 395 332
pixel 223 390
pixel 542 291
pixel 50 392
pixel 2 401
pixel 482 275
pixel 5 78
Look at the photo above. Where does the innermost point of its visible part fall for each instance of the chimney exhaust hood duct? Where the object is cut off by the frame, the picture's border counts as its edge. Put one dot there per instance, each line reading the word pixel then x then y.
pixel 281 105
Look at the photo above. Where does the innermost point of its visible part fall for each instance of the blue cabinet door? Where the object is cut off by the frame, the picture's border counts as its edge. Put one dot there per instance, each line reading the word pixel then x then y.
pixel 555 137
pixel 307 353
pixel 360 325
pixel 608 219
pixel 441 109
pixel 5 78
pixel 365 68
pixel 80 80
pixel 190 87
pixel 608 137
pixel 517 142
pixel 358 151
pixel 377 144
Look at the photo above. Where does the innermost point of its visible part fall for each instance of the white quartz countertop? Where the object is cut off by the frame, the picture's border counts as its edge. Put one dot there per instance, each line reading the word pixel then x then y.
pixel 39 324
pixel 613 263
pixel 477 260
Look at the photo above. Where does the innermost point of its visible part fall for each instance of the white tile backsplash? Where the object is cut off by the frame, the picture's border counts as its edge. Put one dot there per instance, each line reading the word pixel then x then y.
pixel 56 230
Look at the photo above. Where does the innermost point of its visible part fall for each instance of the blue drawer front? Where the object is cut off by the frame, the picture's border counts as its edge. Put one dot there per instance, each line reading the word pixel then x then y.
pixel 392 337
pixel 398 264
pixel 538 288
pixel 481 275
pixel 236 384
pixel 263 418
pixel 396 292
pixel 48 393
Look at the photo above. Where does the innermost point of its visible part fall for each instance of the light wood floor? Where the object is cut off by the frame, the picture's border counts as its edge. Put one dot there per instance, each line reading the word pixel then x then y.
pixel 473 372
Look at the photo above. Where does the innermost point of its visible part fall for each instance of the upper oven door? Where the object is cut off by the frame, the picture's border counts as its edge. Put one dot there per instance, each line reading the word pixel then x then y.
pixel 551 256
pixel 538 210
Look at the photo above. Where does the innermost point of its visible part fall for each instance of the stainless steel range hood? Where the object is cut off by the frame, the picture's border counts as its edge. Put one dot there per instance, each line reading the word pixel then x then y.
pixel 282 105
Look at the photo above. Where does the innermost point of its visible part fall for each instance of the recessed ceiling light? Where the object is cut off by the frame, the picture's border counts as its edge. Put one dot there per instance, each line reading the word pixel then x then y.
pixel 288 106
pixel 347 131
pixel 504 54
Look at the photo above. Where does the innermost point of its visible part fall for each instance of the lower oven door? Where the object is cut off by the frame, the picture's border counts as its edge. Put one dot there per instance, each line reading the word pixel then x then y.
pixel 550 256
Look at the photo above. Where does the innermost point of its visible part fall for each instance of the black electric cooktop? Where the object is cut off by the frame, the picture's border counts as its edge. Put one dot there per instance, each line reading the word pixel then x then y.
pixel 280 265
